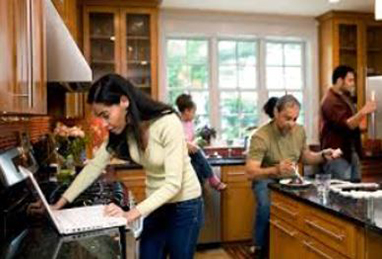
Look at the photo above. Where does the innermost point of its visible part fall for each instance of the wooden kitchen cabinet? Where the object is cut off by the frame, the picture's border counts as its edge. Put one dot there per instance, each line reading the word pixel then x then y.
pixel 134 180
pixel 124 41
pixel 352 39
pixel 6 61
pixel 302 231
pixel 68 12
pixel 25 76
pixel 237 205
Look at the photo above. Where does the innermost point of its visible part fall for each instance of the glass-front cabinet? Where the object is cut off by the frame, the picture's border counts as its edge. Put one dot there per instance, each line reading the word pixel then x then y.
pixel 374 49
pixel 123 41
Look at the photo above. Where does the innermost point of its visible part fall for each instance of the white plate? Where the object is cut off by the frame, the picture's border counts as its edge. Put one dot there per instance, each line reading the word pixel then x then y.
pixel 286 182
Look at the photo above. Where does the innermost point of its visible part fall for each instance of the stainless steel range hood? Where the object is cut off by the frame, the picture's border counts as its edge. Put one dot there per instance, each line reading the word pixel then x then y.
pixel 65 62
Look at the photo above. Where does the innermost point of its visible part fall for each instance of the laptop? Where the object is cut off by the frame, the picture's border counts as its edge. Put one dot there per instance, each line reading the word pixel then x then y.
pixel 82 219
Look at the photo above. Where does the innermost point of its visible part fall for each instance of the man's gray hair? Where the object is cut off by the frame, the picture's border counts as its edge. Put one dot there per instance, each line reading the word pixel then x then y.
pixel 286 101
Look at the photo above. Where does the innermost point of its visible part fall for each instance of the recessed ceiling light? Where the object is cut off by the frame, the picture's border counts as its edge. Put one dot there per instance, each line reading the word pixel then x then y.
pixel 334 1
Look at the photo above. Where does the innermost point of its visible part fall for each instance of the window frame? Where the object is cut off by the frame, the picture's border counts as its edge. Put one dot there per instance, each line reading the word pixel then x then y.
pixel 214 91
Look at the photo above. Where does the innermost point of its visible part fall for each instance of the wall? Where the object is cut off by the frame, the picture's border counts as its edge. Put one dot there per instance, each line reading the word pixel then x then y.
pixel 196 23
pixel 10 126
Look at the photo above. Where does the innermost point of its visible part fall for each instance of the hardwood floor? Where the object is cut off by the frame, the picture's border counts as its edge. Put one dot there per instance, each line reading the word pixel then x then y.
pixel 228 251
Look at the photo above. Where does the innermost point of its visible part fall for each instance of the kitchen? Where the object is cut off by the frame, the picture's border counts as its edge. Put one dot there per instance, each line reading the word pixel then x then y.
pixel 210 50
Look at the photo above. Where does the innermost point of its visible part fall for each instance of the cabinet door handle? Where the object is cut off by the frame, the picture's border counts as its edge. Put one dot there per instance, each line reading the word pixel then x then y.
pixel 279 207
pixel 316 250
pixel 286 231
pixel 324 230
pixel 30 43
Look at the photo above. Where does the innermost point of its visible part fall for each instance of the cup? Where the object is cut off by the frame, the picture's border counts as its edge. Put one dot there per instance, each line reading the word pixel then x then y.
pixel 323 182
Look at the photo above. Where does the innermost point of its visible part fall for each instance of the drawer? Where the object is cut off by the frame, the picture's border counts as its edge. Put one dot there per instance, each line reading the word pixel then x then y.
pixel 313 249
pixel 285 208
pixel 234 174
pixel 330 230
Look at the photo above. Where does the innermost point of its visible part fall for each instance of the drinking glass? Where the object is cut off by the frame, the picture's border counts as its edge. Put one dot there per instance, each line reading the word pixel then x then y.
pixel 323 182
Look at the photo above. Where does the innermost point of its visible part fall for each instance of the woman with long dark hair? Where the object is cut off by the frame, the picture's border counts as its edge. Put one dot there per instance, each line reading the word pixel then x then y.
pixel 151 134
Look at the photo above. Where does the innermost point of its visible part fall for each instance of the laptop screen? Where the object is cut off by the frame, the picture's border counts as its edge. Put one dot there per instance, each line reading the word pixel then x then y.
pixel 29 174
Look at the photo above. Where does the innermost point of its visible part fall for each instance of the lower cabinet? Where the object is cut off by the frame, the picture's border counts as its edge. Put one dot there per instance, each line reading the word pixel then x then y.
pixel 135 181
pixel 237 204
pixel 288 242
pixel 298 230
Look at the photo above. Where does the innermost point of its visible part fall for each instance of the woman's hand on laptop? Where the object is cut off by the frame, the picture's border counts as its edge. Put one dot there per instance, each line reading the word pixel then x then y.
pixel 59 204
pixel 113 210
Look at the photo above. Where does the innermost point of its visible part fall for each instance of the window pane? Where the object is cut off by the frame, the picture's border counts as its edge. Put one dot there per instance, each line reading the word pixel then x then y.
pixel 177 75
pixel 199 76
pixel 248 102
pixel 197 51
pixel 276 93
pixel 293 53
pixel 173 94
pixel 176 51
pixel 247 53
pixel 274 78
pixel 201 100
pixel 247 77
pixel 293 78
pixel 227 52
pixel 274 56
pixel 201 121
pixel 229 102
pixel 227 77
pixel 249 120
pixel 230 127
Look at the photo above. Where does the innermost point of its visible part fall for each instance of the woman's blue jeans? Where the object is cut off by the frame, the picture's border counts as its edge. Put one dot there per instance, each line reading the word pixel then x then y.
pixel 173 230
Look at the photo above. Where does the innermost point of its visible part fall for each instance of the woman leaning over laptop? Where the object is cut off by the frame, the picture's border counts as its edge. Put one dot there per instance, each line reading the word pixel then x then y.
pixel 151 134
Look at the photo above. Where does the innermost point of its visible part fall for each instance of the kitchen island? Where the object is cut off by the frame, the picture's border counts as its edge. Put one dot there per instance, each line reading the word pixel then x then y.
pixel 304 224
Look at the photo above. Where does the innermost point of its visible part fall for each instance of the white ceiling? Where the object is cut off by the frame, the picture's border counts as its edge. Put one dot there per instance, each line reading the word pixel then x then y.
pixel 286 7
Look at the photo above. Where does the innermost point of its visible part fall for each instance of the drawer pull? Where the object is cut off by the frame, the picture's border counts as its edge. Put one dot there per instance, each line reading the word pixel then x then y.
pixel 324 230
pixel 289 233
pixel 316 250
pixel 236 174
pixel 293 214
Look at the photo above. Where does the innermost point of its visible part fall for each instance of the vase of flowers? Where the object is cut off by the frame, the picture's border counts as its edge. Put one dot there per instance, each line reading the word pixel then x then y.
pixel 204 136
pixel 70 144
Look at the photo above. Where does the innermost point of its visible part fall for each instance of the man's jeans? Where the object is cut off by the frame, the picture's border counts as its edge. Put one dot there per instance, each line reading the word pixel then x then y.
pixel 173 230
pixel 342 169
pixel 261 224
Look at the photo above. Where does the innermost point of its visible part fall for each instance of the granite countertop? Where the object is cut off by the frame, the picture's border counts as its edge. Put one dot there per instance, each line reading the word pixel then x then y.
pixel 214 161
pixel 42 242
pixel 359 211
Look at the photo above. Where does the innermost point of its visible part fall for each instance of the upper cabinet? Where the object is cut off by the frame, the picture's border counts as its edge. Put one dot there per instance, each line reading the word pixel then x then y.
pixel 124 41
pixel 23 39
pixel 68 11
pixel 352 39
pixel 6 61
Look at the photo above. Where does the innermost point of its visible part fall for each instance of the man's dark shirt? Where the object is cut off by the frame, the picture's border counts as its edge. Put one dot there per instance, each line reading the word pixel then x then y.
pixel 335 110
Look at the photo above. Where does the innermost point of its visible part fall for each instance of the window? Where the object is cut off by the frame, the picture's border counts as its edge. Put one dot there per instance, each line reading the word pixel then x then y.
pixel 188 72
pixel 284 71
pixel 226 73
pixel 237 87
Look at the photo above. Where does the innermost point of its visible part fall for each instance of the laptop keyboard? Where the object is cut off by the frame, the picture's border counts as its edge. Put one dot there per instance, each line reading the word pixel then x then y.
pixel 86 218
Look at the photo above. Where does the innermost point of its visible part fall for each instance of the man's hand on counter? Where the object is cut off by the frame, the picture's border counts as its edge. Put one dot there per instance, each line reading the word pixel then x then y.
pixel 113 210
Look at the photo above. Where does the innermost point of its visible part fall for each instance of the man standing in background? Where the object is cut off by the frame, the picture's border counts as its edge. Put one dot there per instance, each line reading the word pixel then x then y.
pixel 340 125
